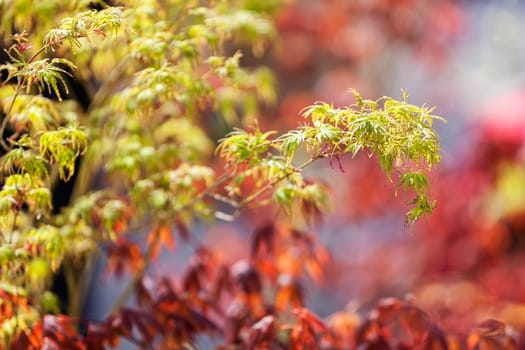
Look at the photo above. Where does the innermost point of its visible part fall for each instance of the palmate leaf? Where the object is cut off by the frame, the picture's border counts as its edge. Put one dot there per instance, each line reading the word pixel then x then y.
pixel 39 199
pixel 241 146
pixel 34 113
pixel 47 74
pixel 71 29
pixel 20 189
pixel 63 146
pixel 24 160
pixel 398 133
pixel 290 142
pixel 51 76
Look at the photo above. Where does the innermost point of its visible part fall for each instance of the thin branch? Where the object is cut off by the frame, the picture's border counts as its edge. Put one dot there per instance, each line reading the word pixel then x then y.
pixel 38 52
pixel 233 203
pixel 244 204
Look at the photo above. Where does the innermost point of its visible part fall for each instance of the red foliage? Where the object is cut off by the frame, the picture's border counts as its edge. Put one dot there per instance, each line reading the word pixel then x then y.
pixel 51 332
pixel 469 262
pixel 213 294
pixel 124 255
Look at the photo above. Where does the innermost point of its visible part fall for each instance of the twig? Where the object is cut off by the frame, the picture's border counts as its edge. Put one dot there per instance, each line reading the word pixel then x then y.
pixel 270 185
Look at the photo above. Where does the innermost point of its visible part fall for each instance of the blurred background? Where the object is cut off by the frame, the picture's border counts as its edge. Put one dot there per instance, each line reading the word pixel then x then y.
pixel 466 262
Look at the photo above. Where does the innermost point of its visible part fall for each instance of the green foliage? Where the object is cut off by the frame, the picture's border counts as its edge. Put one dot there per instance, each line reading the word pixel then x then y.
pixel 241 147
pixel 33 113
pixel 83 25
pixel 154 71
pixel 398 133
pixel 63 146
pixel 25 161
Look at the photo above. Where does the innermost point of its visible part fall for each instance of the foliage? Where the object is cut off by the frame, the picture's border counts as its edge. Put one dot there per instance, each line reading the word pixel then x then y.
pixel 125 94
pixel 471 249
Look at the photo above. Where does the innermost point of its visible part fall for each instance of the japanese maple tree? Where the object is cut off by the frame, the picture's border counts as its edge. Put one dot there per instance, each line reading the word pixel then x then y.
pixel 144 109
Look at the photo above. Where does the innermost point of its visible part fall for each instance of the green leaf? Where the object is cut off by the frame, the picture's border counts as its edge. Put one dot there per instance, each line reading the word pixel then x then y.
pixel 63 146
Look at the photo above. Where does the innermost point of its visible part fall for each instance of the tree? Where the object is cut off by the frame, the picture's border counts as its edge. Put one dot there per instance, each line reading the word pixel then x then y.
pixel 124 104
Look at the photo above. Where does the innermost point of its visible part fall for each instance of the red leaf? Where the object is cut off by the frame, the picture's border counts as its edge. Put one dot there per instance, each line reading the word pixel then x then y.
pixel 306 316
pixel 262 333
pixel 246 277
pixel 160 236
pixel 386 310
pixel 263 241
pixel 289 293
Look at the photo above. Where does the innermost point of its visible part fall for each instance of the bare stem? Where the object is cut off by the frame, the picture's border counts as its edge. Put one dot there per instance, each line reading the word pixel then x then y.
pixel 38 52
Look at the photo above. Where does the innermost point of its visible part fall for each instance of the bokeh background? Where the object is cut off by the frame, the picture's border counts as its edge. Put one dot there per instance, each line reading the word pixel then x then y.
pixel 466 262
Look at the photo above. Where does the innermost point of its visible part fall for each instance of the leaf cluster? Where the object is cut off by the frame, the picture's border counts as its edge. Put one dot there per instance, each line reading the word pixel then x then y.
pixel 399 134
pixel 155 73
